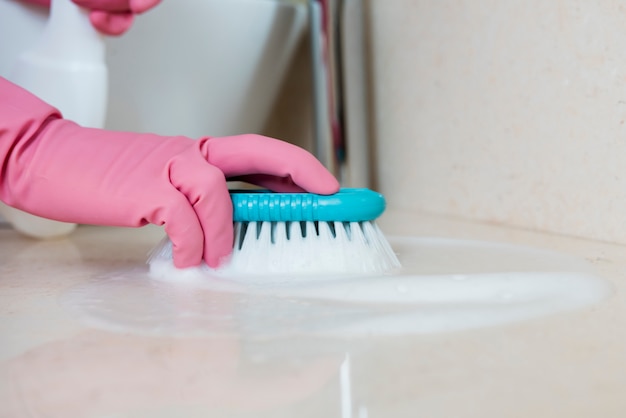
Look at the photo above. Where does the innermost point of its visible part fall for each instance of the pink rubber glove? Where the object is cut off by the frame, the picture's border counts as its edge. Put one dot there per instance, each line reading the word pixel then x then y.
pixel 55 169
pixel 111 17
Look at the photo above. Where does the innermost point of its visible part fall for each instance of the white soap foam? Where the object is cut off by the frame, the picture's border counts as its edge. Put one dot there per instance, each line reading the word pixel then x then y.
pixel 444 285
pixel 278 250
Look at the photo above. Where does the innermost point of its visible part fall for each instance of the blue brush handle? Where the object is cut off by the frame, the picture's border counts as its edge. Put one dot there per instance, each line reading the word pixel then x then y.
pixel 348 205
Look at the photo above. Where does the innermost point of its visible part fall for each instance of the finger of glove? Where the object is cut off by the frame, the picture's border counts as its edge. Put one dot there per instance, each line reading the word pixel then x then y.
pixel 205 189
pixel 182 226
pixel 117 6
pixel 255 154
pixel 111 23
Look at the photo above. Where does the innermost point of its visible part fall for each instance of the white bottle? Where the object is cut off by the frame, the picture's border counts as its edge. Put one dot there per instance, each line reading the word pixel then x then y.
pixel 67 69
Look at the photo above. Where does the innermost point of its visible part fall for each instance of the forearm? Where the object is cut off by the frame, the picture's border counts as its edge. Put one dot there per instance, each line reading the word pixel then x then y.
pixel 49 164
pixel 23 117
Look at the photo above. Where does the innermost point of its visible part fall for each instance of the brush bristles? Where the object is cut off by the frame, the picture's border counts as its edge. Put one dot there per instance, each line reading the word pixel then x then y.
pixel 303 248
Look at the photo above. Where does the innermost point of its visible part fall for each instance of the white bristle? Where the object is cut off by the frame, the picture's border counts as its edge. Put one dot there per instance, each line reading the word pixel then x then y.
pixel 301 248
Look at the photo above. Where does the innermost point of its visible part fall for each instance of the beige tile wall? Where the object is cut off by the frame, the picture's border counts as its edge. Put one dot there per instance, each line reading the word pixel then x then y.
pixel 503 111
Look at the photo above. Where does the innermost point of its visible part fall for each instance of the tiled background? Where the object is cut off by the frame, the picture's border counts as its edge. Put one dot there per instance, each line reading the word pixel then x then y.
pixel 501 111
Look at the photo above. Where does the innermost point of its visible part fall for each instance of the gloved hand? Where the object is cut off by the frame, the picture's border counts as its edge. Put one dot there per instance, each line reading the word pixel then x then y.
pixel 111 17
pixel 55 169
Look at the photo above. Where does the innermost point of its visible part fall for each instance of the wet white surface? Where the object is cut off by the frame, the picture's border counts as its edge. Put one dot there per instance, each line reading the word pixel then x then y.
pixel 444 285
pixel 249 362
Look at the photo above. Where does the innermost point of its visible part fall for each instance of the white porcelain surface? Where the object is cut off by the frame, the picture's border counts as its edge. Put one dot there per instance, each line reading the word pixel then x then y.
pixel 53 364
pixel 186 67
pixel 202 67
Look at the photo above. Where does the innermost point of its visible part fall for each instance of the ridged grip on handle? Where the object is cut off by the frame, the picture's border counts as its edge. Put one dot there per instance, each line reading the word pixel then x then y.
pixel 348 205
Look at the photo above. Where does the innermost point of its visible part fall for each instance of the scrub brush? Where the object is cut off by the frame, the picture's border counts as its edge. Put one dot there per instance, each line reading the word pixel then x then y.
pixel 303 234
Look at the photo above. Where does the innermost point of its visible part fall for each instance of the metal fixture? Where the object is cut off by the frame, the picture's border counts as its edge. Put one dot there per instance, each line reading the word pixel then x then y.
pixel 340 107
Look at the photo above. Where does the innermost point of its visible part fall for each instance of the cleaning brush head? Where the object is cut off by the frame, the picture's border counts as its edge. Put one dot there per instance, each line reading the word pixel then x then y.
pixel 304 234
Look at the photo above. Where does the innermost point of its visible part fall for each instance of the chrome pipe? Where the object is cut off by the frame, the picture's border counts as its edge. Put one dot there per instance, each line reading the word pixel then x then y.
pixel 328 125
pixel 341 134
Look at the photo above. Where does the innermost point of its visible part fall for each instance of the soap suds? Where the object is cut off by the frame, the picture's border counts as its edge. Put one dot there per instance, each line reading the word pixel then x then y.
pixel 444 285
pixel 280 250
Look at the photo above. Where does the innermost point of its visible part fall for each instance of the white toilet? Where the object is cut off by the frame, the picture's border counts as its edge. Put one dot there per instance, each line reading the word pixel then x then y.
pixel 187 67
pixel 202 67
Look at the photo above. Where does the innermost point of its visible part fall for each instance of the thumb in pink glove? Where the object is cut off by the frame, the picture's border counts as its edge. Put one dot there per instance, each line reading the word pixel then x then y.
pixel 111 17
pixel 55 169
